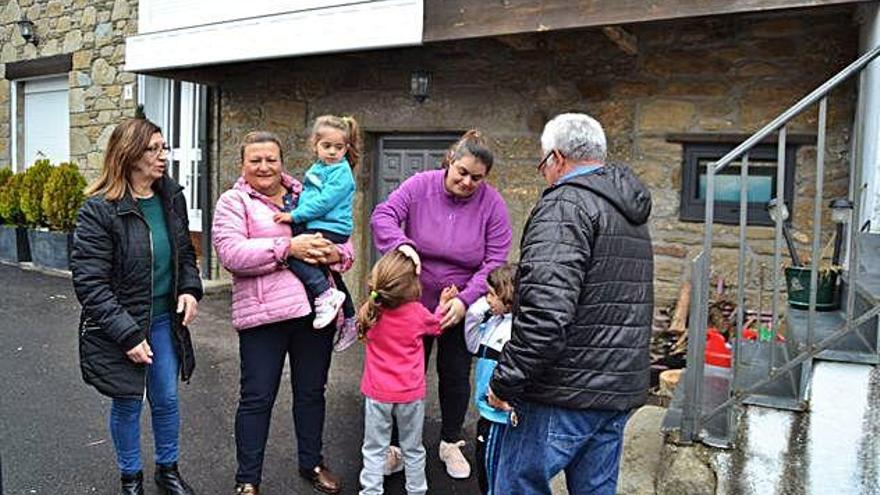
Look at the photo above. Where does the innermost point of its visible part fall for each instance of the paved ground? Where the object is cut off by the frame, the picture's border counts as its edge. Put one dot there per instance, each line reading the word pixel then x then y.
pixel 53 434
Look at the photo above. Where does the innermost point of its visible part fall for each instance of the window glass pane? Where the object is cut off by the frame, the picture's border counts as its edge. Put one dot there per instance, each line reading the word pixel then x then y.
pixel 761 183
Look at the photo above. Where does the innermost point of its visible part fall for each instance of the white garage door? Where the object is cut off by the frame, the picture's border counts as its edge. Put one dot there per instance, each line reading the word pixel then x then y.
pixel 46 120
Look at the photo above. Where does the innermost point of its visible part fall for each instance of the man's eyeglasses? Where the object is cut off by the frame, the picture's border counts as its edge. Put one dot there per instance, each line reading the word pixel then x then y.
pixel 158 150
pixel 544 161
pixel 547 157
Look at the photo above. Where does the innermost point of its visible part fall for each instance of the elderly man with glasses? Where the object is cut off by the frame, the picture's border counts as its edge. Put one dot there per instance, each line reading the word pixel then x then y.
pixel 577 362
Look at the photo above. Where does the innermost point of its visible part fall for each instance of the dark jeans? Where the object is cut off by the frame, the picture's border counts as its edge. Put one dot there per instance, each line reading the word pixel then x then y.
pixel 454 373
pixel 488 450
pixel 547 439
pixel 314 277
pixel 263 350
pixel 125 414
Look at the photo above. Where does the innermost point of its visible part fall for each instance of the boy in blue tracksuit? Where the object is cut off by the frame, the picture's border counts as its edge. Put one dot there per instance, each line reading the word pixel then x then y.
pixel 487 330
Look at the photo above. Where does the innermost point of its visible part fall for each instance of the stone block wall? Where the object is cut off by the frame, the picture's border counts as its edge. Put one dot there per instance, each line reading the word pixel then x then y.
pixel 93 32
pixel 727 74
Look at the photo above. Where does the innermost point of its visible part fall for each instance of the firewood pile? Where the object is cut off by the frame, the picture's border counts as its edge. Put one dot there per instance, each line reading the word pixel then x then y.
pixel 670 332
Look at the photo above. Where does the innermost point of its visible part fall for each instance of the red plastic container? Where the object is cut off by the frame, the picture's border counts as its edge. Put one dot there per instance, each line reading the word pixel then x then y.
pixel 717 353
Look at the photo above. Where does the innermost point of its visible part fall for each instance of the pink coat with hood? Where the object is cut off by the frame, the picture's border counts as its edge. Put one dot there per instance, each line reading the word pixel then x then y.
pixel 254 249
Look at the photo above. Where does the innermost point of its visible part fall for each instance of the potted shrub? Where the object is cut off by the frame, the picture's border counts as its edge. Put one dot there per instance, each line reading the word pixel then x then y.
pixel 61 199
pixel 32 188
pixel 13 235
pixel 797 282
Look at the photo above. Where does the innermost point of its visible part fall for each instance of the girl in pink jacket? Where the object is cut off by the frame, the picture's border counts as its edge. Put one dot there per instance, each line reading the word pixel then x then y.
pixel 393 322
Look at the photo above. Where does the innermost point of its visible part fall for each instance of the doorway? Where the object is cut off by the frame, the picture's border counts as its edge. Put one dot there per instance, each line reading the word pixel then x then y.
pixel 400 156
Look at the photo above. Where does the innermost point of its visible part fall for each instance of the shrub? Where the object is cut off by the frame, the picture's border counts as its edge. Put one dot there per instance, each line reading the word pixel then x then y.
pixel 63 196
pixel 32 192
pixel 5 175
pixel 10 200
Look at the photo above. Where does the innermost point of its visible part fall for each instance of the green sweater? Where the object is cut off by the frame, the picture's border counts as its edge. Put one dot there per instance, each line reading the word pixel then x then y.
pixel 155 217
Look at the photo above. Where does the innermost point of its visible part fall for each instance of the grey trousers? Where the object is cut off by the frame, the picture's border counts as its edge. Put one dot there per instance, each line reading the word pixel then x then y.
pixel 377 437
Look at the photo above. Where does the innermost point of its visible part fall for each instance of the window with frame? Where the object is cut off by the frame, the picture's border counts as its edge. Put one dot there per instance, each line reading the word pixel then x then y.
pixel 698 156
pixel 39 110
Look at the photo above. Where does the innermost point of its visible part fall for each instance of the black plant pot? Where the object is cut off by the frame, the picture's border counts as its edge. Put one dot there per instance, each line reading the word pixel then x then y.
pixel 14 244
pixel 50 249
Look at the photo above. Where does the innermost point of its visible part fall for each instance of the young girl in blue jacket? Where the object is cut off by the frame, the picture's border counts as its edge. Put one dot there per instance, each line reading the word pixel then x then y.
pixel 325 207
pixel 487 330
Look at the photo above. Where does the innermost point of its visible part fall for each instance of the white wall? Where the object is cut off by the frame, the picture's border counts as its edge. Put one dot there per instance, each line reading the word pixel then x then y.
pixel 869 105
pixel 185 33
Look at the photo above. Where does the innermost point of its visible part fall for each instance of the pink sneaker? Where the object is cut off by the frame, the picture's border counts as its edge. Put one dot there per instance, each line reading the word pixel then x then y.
pixel 327 307
pixel 347 335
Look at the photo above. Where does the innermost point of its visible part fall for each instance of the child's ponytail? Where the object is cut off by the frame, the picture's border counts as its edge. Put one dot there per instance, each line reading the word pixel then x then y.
pixel 354 146
pixel 368 314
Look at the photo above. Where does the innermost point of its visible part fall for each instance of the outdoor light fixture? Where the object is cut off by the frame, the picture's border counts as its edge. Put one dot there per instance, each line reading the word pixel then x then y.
pixel 841 214
pixel 26 28
pixel 420 85
pixel 779 214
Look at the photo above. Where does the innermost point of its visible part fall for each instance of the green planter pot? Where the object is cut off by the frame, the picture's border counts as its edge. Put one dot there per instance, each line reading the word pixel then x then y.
pixel 797 280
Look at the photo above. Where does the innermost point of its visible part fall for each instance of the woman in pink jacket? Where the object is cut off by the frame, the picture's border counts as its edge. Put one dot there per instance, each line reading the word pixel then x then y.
pixel 271 311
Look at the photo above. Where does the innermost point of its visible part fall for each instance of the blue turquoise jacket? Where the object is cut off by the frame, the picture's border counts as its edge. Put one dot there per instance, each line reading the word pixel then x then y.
pixel 494 332
pixel 325 202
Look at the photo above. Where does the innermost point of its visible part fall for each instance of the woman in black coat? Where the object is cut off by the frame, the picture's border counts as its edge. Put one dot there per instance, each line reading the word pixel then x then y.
pixel 134 272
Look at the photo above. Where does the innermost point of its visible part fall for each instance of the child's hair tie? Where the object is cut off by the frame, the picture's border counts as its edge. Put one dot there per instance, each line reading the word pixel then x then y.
pixel 374 295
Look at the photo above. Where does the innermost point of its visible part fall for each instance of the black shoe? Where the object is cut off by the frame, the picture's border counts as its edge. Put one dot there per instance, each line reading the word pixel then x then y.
pixel 169 480
pixel 133 484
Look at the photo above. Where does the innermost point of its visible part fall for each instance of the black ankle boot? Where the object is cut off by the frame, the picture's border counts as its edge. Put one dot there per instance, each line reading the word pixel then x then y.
pixel 133 484
pixel 169 480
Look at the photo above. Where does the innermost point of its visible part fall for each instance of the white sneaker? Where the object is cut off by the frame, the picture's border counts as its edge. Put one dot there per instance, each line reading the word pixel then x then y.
pixel 456 465
pixel 393 461
pixel 327 307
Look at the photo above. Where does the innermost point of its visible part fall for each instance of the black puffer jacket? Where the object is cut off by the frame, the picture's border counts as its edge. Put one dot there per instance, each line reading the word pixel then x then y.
pixel 111 261
pixel 584 297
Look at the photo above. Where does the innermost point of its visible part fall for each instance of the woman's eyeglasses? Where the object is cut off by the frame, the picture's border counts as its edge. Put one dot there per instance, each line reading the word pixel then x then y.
pixel 158 150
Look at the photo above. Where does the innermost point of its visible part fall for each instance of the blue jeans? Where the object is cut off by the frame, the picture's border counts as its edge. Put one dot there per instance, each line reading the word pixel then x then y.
pixel 548 439
pixel 125 414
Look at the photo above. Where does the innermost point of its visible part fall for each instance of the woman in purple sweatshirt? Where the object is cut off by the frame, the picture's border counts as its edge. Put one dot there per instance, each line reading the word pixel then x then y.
pixel 456 228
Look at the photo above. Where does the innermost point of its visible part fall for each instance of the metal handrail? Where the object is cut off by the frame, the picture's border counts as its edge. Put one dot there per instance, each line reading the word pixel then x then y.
pixel 798 107
pixel 691 421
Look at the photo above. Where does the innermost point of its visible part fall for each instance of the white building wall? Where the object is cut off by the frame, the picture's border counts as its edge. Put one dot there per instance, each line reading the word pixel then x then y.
pixel 186 33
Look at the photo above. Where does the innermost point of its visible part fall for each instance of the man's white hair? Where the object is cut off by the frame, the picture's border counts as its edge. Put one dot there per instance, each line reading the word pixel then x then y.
pixel 577 136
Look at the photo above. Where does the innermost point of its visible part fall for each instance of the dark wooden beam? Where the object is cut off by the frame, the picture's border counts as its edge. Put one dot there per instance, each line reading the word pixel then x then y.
pixel 457 19
pixel 56 64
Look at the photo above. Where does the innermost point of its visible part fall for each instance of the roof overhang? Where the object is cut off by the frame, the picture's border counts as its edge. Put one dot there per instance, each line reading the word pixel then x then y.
pixel 223 36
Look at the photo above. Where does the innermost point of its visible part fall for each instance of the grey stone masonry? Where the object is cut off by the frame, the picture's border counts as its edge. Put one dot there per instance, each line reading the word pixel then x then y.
pixel 93 32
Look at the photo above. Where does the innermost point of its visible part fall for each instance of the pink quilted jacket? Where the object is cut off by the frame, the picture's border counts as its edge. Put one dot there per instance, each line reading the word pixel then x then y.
pixel 253 248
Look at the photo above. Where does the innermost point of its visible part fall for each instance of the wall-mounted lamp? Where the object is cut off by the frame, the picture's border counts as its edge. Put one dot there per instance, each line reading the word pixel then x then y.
pixel 420 85
pixel 26 28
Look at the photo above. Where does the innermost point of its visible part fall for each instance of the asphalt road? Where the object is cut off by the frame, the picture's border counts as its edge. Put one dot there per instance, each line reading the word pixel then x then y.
pixel 53 428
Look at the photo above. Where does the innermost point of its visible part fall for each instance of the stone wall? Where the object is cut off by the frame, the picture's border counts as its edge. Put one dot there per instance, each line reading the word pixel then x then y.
pixel 728 74
pixel 93 32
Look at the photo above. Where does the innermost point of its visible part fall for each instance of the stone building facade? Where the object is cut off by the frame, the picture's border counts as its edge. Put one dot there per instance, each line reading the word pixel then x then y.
pixel 716 77
pixel 92 33
pixel 725 75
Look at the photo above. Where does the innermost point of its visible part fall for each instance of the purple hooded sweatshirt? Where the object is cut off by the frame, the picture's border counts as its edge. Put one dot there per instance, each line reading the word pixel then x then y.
pixel 459 240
